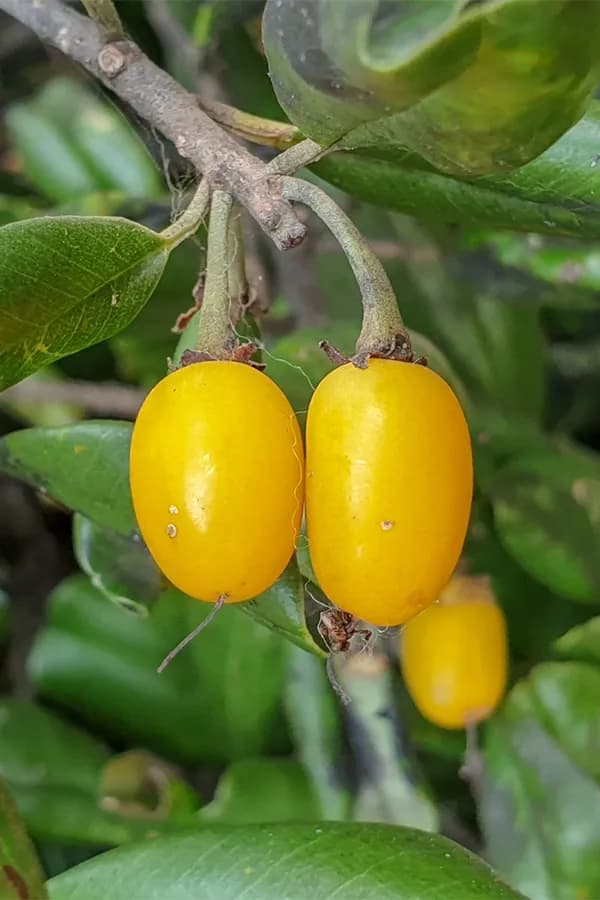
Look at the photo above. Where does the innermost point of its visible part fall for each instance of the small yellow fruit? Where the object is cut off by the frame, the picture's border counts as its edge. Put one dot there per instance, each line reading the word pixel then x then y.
pixel 216 472
pixel 454 654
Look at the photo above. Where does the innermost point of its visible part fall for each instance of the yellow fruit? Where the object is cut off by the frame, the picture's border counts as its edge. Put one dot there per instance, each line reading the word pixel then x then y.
pixel 389 480
pixel 454 655
pixel 216 470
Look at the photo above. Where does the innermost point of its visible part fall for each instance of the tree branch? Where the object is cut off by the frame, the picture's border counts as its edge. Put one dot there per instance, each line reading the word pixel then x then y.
pixel 95 397
pixel 162 102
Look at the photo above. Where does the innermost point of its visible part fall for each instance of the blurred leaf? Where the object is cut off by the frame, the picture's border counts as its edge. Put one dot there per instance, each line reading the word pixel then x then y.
pixel 73 143
pixel 317 732
pixel 494 347
pixel 20 871
pixel 47 414
pixel 64 286
pixel 137 784
pixel 50 160
pixel 536 617
pixel 143 347
pixel 271 862
pixel 368 73
pixel 119 566
pixel 582 642
pixel 540 810
pixel 216 701
pixel 58 462
pixel 389 789
pixel 555 194
pixel 549 534
pixel 102 136
pixel 558 262
pixel 57 774
pixel 262 790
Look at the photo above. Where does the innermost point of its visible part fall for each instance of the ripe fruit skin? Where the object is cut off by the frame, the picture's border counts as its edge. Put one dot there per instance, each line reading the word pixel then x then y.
pixel 216 471
pixel 454 655
pixel 389 480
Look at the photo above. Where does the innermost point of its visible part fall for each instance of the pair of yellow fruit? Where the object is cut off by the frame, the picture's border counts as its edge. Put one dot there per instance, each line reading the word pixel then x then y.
pixel 218 477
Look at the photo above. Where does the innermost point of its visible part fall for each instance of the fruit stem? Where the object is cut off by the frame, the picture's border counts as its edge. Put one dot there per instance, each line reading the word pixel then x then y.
pixel 216 337
pixel 383 332
pixel 189 221
pixel 236 266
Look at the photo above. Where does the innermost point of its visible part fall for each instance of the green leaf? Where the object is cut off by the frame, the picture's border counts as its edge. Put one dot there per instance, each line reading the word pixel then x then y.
pixel 67 283
pixel 317 731
pixel 494 347
pixel 58 462
pixel 57 775
pixel 102 137
pixel 539 805
pixel 262 790
pixel 581 642
pixel 72 143
pixel 283 609
pixel 216 701
pixel 268 862
pixel 119 566
pixel 549 533
pixel 20 871
pixel 367 73
pixel 556 194
pixel 50 161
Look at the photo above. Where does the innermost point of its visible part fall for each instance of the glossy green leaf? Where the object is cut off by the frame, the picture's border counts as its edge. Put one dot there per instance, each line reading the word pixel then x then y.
pixel 365 74
pixel 69 282
pixel 316 729
pixel 56 773
pixel 549 533
pixel 262 790
pixel 119 566
pixel 216 701
pixel 556 194
pixel 268 862
pixel 58 462
pixel 539 805
pixel 20 871
pixel 581 642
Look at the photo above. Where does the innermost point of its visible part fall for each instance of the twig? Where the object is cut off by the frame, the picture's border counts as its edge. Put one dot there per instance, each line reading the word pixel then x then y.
pixel 104 13
pixel 156 97
pixel 114 399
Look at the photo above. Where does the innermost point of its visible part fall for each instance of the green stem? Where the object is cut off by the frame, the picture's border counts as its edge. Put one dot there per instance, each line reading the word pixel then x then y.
pixel 297 157
pixel 190 220
pixel 382 329
pixel 103 12
pixel 236 266
pixel 216 337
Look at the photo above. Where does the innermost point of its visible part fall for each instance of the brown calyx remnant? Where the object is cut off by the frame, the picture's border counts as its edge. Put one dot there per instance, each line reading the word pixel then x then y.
pixel 401 351
pixel 241 353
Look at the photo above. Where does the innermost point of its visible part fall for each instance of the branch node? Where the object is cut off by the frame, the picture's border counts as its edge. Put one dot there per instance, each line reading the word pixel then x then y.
pixel 111 60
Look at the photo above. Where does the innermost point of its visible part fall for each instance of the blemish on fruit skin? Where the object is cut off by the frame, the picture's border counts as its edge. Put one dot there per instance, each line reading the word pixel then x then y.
pixel 387 524
pixel 171 530
pixel 173 509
